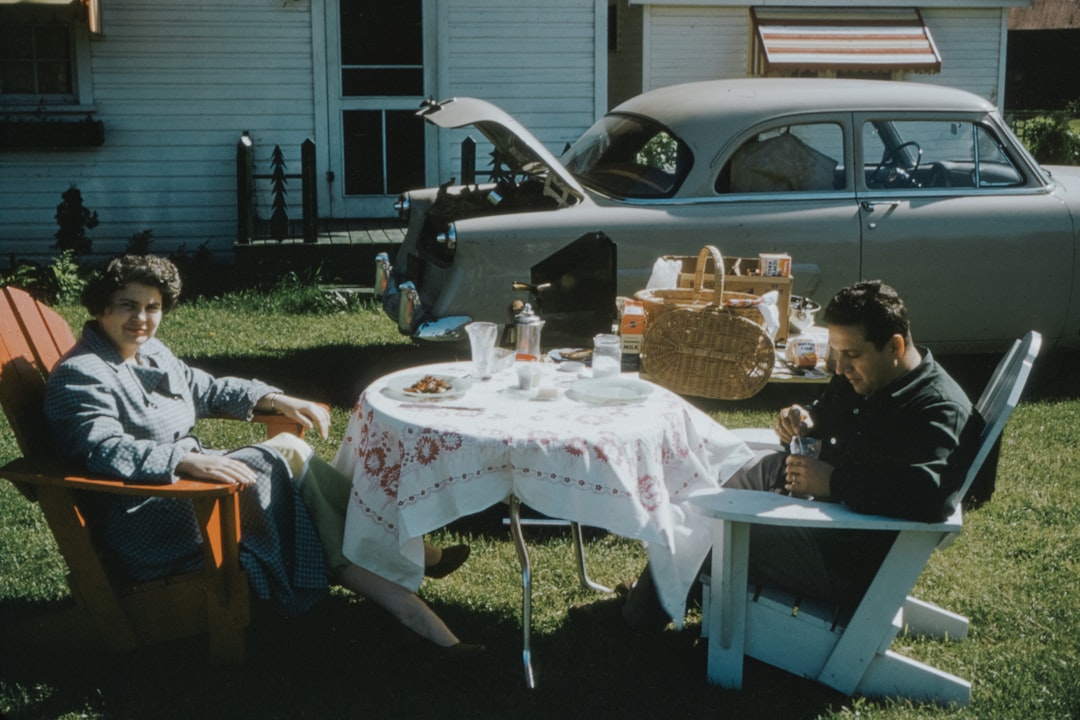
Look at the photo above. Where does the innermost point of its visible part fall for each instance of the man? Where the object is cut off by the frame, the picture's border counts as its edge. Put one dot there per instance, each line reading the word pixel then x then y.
pixel 895 436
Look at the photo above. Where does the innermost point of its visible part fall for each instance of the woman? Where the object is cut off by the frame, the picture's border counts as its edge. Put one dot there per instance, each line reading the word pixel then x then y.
pixel 124 405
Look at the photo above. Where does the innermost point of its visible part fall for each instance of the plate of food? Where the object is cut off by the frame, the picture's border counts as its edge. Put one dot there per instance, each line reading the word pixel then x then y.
pixel 580 355
pixel 429 386
pixel 610 391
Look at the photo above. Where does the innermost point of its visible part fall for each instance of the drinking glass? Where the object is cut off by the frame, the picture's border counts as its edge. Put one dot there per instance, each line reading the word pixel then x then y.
pixel 606 356
pixel 482 345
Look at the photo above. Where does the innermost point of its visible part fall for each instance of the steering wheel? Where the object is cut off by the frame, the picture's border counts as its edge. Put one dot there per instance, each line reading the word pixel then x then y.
pixel 899 171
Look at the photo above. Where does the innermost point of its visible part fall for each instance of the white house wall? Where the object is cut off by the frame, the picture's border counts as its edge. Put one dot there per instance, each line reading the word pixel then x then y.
pixel 684 43
pixel 175 84
pixel 545 64
pixel 972 47
pixel 688 43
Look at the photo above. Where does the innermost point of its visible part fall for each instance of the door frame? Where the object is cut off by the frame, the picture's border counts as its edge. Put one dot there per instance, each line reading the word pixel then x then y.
pixel 329 106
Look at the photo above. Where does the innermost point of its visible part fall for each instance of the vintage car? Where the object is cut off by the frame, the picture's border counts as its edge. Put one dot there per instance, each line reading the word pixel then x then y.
pixel 920 185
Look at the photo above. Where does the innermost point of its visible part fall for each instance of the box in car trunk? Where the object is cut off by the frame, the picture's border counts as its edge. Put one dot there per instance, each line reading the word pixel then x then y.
pixel 739 277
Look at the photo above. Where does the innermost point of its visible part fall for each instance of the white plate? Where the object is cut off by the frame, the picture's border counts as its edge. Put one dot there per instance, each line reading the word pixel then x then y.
pixel 457 387
pixel 610 391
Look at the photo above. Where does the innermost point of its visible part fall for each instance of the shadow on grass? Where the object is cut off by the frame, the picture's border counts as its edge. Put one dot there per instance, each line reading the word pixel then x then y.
pixel 333 374
pixel 347 659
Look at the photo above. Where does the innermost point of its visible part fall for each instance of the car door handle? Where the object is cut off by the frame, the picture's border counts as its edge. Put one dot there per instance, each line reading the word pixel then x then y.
pixel 871 205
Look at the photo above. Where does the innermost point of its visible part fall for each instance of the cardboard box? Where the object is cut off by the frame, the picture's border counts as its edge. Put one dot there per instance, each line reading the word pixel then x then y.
pixel 631 332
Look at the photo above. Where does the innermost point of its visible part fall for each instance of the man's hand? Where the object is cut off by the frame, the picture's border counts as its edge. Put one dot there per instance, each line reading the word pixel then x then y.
pixel 808 477
pixel 792 421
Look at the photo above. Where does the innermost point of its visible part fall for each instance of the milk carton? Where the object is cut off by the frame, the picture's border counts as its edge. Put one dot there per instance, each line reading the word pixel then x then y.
pixel 631 331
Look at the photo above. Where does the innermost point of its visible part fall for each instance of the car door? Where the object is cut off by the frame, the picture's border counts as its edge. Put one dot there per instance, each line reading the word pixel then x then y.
pixel 958 222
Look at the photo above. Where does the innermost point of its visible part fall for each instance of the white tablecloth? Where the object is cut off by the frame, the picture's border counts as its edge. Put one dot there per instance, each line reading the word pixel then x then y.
pixel 417 466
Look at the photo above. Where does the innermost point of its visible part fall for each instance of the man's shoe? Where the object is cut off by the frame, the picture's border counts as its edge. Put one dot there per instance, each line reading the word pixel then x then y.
pixel 452 558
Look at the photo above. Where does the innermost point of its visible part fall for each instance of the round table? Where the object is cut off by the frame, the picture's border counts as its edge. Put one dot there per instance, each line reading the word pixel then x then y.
pixel 418 464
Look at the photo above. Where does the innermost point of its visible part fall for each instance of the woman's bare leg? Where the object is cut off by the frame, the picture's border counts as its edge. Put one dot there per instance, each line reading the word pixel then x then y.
pixel 405 605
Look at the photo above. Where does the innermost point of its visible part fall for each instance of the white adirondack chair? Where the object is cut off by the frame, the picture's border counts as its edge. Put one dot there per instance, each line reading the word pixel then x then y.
pixel 852 654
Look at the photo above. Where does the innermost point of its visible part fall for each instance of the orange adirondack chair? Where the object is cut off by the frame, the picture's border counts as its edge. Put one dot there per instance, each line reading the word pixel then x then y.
pixel 124 615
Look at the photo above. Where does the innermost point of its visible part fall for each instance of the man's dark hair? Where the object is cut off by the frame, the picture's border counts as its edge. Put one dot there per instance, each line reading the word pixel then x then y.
pixel 873 306
pixel 149 270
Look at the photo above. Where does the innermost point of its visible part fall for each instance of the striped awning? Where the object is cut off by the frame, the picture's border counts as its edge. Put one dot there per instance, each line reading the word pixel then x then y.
pixel 91 7
pixel 796 39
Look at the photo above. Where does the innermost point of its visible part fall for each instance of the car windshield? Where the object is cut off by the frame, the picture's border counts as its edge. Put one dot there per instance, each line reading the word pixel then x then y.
pixel 626 156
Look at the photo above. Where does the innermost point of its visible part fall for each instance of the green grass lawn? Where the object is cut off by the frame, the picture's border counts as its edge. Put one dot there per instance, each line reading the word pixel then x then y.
pixel 1014 571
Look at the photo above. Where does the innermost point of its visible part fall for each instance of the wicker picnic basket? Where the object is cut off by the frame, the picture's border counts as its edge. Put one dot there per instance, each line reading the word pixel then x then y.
pixel 706 288
pixel 710 352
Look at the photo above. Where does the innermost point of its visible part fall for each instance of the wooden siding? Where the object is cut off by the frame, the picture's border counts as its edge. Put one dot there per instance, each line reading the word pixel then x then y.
pixel 175 84
pixel 538 63
pixel 686 43
pixel 971 43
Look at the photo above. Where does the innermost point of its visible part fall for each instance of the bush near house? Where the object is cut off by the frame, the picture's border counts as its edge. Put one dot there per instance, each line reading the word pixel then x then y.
pixel 1052 138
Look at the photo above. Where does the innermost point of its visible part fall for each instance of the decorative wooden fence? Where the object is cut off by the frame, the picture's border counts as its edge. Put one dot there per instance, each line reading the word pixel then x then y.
pixel 279 220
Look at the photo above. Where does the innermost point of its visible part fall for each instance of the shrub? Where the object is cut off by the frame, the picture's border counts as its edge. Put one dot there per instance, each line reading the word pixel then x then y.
pixel 59 283
pixel 1051 140
pixel 74 220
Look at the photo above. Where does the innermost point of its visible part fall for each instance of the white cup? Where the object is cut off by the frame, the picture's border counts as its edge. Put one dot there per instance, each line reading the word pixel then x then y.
pixel 528 374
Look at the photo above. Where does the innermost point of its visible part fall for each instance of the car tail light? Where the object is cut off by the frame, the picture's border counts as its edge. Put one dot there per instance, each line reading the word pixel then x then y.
pixel 402 206
pixel 447 238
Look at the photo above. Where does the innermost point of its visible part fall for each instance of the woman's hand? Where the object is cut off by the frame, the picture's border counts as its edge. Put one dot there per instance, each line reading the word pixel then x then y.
pixel 216 468
pixel 308 414
pixel 792 421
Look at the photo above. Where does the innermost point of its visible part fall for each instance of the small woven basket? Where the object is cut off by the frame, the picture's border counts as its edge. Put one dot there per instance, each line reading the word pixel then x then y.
pixel 710 353
pixel 709 270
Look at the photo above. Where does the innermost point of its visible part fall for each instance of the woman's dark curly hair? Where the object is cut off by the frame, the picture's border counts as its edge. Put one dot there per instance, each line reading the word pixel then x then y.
pixel 149 270
pixel 875 307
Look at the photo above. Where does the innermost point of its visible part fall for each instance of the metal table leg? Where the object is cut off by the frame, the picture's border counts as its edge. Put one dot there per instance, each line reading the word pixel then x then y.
pixel 526 589
pixel 579 549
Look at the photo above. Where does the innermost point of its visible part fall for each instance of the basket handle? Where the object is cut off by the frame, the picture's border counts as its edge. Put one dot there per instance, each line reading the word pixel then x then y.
pixel 699 272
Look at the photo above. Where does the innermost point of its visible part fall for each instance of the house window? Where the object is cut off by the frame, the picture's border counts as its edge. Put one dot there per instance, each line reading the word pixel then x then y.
pixel 40 50
pixel 382 48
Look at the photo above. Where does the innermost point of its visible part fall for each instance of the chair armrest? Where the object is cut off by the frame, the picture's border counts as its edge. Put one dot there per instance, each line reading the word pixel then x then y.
pixel 55 473
pixel 767 508
pixel 62 473
pixel 277 423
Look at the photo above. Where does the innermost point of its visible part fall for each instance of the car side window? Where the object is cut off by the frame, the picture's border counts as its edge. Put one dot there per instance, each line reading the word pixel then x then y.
pixel 934 154
pixel 793 158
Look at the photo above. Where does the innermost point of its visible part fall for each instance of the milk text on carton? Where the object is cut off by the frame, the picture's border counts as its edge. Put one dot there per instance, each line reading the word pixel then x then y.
pixel 631 331
pixel 774 265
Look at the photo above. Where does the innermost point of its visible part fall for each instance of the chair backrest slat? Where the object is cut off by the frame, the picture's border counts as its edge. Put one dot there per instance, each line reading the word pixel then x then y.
pixel 1000 398
pixel 33 337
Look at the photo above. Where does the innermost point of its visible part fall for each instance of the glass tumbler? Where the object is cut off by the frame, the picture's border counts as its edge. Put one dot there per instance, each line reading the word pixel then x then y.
pixel 482 345
pixel 606 356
